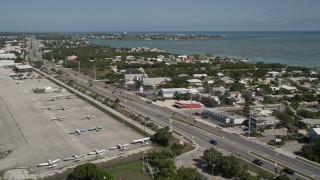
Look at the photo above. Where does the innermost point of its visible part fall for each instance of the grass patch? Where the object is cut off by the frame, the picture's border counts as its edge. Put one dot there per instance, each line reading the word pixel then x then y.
pixel 130 171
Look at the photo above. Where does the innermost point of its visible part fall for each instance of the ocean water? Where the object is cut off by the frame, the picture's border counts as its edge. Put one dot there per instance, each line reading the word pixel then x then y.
pixel 292 48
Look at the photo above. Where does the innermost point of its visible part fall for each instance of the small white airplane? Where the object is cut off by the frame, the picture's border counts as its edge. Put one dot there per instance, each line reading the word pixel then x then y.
pixel 119 146
pixel 68 97
pixel 50 163
pixel 59 118
pixel 77 131
pixel 58 96
pixel 88 117
pixel 53 99
pixel 97 128
pixel 97 152
pixel 75 158
pixel 49 107
pixel 63 108
pixel 142 141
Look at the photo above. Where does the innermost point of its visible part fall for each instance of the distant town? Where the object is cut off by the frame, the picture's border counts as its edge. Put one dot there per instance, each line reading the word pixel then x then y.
pixel 253 114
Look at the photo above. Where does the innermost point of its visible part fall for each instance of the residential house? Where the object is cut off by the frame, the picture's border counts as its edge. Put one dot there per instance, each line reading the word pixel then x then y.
pixel 273 74
pixel 199 75
pixel 195 82
pixel 311 122
pixel 314 133
pixel 227 80
pixel 264 121
pixel 134 77
pixel 154 82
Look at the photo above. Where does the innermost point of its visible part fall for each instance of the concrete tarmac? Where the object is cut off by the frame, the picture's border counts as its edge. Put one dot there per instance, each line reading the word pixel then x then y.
pixel 26 128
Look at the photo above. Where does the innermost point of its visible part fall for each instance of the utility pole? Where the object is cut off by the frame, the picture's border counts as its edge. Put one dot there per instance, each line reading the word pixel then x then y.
pixel 191 105
pixel 249 122
pixel 79 66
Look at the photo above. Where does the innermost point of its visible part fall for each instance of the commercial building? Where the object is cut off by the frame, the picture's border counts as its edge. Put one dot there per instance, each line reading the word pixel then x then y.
pixel 222 116
pixel 169 92
pixel 23 68
pixel 187 105
pixel 8 56
pixel 6 62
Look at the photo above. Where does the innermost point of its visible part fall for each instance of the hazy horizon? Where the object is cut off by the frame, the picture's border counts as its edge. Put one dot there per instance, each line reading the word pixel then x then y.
pixel 165 15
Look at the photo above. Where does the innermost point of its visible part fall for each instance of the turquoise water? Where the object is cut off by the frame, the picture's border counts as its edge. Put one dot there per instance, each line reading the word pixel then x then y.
pixel 292 48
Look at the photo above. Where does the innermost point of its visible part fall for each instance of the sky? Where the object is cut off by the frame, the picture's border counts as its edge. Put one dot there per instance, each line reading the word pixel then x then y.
pixel 160 15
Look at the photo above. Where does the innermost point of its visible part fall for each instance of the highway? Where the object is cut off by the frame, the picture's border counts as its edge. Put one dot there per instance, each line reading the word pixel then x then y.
pixel 231 143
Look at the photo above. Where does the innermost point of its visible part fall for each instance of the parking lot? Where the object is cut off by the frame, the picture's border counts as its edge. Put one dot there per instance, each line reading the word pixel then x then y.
pixel 26 127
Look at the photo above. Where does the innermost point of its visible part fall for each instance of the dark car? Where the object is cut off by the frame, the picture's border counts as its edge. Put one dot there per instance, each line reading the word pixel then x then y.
pixel 257 162
pixel 214 142
pixel 288 171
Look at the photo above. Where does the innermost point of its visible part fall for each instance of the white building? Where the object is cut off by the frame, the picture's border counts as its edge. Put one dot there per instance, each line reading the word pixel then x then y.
pixel 199 75
pixel 8 56
pixel 195 82
pixel 169 92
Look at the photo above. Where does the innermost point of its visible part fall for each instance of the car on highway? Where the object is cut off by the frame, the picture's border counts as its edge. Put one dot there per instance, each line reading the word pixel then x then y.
pixel 214 142
pixel 257 162
pixel 288 171
pixel 149 101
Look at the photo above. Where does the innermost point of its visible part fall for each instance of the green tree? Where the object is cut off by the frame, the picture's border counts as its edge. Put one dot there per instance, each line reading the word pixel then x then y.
pixel 162 137
pixel 90 171
pixel 312 150
pixel 246 110
pixel 187 174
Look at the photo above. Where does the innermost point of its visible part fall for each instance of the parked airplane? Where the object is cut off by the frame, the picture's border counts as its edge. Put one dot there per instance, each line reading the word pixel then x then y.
pixel 97 152
pixel 50 163
pixel 53 99
pixel 75 158
pixel 77 131
pixel 59 118
pixel 88 117
pixel 63 108
pixel 49 107
pixel 97 128
pixel 58 96
pixel 142 141
pixel 119 146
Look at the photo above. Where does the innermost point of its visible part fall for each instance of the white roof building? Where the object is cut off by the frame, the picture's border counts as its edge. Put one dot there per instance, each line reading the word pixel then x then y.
pixel 8 56
pixel 200 75
pixel 6 62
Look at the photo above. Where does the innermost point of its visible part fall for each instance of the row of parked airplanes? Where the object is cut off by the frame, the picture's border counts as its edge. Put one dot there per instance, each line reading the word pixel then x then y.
pixel 61 118
pixel 68 96
pixel 76 158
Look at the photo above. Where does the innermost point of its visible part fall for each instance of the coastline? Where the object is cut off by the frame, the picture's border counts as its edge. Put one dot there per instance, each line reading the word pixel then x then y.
pixel 292 48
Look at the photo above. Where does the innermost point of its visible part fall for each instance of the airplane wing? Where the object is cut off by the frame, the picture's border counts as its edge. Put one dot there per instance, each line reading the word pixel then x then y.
pixel 92 153
pixel 102 150
pixel 43 164
pixel 55 161
pixel 113 148
pixel 69 159
pixel 125 145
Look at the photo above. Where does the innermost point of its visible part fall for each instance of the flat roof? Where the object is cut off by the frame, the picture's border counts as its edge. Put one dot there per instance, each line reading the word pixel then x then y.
pixel 24 66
